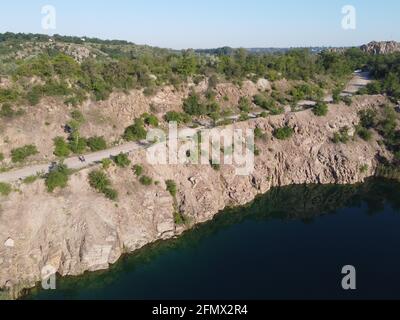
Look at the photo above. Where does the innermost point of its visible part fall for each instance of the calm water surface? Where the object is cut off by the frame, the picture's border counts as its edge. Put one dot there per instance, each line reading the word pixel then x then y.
pixel 291 243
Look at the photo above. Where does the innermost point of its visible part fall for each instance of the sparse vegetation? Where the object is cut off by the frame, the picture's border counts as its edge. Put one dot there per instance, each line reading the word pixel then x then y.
pixel 122 160
pixel 136 131
pixel 96 144
pixel 57 177
pixel 61 148
pixel 171 187
pixel 284 133
pixel 320 109
pixel 5 189
pixel 146 181
pixel 138 170
pixel 99 181
pixel 21 154
pixel 342 136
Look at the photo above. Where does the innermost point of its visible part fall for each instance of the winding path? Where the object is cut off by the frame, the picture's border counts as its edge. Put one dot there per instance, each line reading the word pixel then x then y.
pixel 359 81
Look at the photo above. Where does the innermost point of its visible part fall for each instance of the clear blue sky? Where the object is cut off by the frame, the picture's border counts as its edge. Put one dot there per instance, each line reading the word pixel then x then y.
pixel 211 23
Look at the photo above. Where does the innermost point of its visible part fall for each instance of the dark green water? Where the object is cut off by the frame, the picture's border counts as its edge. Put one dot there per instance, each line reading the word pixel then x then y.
pixel 291 243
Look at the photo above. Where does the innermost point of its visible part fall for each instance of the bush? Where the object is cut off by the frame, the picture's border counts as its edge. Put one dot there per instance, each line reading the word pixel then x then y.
pixel 320 109
pixel 171 187
pixel 364 168
pixel 122 160
pixel 77 116
pixel 368 118
pixel 5 189
pixel 77 144
pixel 61 148
pixel 136 131
pixel 364 133
pixel 21 154
pixel 30 179
pixel 1 157
pixel 179 219
pixel 193 106
pixel 57 178
pixel 342 136
pixel 146 181
pixel 283 133
pixel 244 104
pixel 173 116
pixel 6 111
pixel 99 181
pixel 138 170
pixel 96 144
pixel 258 133
pixel 150 120
pixel 106 163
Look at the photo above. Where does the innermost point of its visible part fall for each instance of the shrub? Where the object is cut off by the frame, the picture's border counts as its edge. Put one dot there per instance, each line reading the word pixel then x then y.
pixel 6 111
pixel 150 120
pixel 244 104
pixel 320 109
pixel 138 170
pixel 57 178
pixel 5 189
pixel 171 187
pixel 173 116
pixel 179 218
pixel 364 133
pixel 21 154
pixel 96 143
pixel 77 144
pixel 283 133
pixel 106 163
pixel 77 116
pixel 136 131
pixel 364 168
pixel 122 160
pixel 342 136
pixel 61 148
pixel 99 181
pixel 193 106
pixel 1 157
pixel 258 133
pixel 368 118
pixel 146 181
pixel 30 179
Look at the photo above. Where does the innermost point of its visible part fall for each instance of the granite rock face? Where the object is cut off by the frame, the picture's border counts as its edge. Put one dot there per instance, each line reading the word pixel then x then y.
pixel 383 47
pixel 76 229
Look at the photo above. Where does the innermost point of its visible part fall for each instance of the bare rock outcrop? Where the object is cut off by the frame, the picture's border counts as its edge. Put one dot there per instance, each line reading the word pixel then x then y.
pixel 382 47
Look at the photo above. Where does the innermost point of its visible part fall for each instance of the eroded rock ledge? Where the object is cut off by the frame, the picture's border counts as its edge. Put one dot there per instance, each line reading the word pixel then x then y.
pixel 77 230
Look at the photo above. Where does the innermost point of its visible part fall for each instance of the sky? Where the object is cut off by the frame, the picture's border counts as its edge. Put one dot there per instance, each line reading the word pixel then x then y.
pixel 183 24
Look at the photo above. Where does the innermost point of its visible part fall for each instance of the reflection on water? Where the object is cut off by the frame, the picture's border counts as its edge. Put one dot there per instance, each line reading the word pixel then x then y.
pixel 289 243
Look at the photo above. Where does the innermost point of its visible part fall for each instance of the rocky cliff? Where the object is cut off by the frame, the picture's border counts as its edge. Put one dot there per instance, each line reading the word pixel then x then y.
pixel 77 230
pixel 382 47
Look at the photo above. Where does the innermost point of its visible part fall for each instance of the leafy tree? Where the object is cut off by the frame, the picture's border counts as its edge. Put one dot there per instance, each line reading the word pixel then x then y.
pixel 173 116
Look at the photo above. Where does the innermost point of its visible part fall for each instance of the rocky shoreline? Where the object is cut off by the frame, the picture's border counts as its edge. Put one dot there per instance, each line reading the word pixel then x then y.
pixel 77 230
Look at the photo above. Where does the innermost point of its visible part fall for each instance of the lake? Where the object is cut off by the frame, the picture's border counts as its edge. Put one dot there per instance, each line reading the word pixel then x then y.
pixel 288 244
